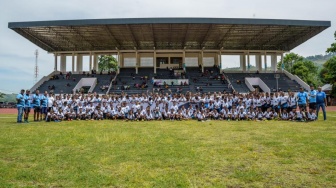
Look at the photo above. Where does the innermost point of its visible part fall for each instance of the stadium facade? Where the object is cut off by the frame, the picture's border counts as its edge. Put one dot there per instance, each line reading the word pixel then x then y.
pixel 161 43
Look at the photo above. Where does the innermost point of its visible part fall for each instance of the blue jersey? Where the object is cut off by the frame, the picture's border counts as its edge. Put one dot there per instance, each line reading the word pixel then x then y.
pixel 27 101
pixel 312 96
pixel 44 101
pixel 302 98
pixel 36 100
pixel 320 96
pixel 20 100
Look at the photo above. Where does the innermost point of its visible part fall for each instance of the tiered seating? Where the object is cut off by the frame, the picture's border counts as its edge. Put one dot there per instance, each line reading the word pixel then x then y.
pixel 125 78
pixel 62 85
pixel 102 80
pixel 284 83
pixel 239 87
pixel 208 82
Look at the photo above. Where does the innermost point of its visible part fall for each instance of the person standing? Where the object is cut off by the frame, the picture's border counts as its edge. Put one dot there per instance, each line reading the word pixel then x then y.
pixel 302 99
pixel 312 98
pixel 20 105
pixel 321 101
pixel 27 106
pixel 44 105
pixel 37 105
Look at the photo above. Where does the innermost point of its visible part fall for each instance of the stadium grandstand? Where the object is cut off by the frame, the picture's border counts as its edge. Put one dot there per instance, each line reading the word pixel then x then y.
pixel 179 54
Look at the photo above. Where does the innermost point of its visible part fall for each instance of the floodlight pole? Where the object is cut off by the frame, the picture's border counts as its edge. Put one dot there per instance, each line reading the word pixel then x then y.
pixel 36 69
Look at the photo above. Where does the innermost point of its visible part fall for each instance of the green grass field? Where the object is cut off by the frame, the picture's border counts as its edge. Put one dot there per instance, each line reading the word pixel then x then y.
pixel 168 154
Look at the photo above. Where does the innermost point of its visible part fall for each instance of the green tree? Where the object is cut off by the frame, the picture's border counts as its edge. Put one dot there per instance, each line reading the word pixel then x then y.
pixel 333 45
pixel 107 63
pixel 2 95
pixel 307 71
pixel 289 61
pixel 328 72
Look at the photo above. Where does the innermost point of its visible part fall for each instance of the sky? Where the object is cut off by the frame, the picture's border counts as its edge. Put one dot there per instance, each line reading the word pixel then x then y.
pixel 17 57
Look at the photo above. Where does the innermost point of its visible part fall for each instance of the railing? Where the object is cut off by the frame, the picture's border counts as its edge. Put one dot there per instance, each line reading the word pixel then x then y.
pixel 42 80
pixel 108 90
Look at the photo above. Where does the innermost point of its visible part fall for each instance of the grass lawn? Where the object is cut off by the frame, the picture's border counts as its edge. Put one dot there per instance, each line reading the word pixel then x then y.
pixel 168 154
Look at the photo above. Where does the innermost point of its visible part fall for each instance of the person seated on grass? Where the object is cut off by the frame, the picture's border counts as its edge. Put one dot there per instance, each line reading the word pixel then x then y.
pixel 260 115
pixel 157 114
pixel 284 115
pixel 242 114
pixel 131 116
pixel 311 115
pixel 300 115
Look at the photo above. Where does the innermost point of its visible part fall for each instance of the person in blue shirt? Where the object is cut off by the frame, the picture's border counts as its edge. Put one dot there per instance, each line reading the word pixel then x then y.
pixel 37 105
pixel 27 106
pixel 312 98
pixel 44 105
pixel 20 105
pixel 302 97
pixel 321 101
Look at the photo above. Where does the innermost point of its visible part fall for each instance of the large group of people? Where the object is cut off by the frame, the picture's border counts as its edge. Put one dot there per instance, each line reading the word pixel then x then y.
pixel 301 106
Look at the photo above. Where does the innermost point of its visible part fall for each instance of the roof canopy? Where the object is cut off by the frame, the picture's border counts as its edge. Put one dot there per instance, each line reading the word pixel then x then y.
pixel 168 33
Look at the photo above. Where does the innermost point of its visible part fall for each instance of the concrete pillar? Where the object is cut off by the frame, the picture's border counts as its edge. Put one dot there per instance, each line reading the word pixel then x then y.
pixel 118 59
pixel 136 62
pixel 73 62
pixel 219 63
pixel 55 65
pixel 90 62
pixel 63 63
pixel 265 61
pixel 202 61
pixel 79 64
pixel 154 61
pixel 282 61
pixel 248 62
pixel 258 63
pixel 184 66
pixel 95 62
pixel 243 62
pixel 273 62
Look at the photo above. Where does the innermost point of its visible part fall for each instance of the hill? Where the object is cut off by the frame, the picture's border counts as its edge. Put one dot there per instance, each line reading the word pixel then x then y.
pixel 319 60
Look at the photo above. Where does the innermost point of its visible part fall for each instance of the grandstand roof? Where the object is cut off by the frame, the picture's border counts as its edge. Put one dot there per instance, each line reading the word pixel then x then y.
pixel 168 33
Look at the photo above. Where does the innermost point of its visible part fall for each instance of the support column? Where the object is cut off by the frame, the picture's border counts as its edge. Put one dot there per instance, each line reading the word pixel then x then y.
pixel 118 69
pixel 202 61
pixel 273 62
pixel 136 62
pixel 248 62
pixel 183 62
pixel 63 64
pixel 282 61
pixel 243 62
pixel 265 61
pixel 55 66
pixel 220 60
pixel 258 62
pixel 90 61
pixel 95 62
pixel 154 61
pixel 79 64
pixel 73 62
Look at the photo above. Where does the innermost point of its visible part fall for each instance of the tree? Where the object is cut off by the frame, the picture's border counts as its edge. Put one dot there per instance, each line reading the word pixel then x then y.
pixel 289 61
pixel 307 71
pixel 333 45
pixel 109 63
pixel 2 95
pixel 328 72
